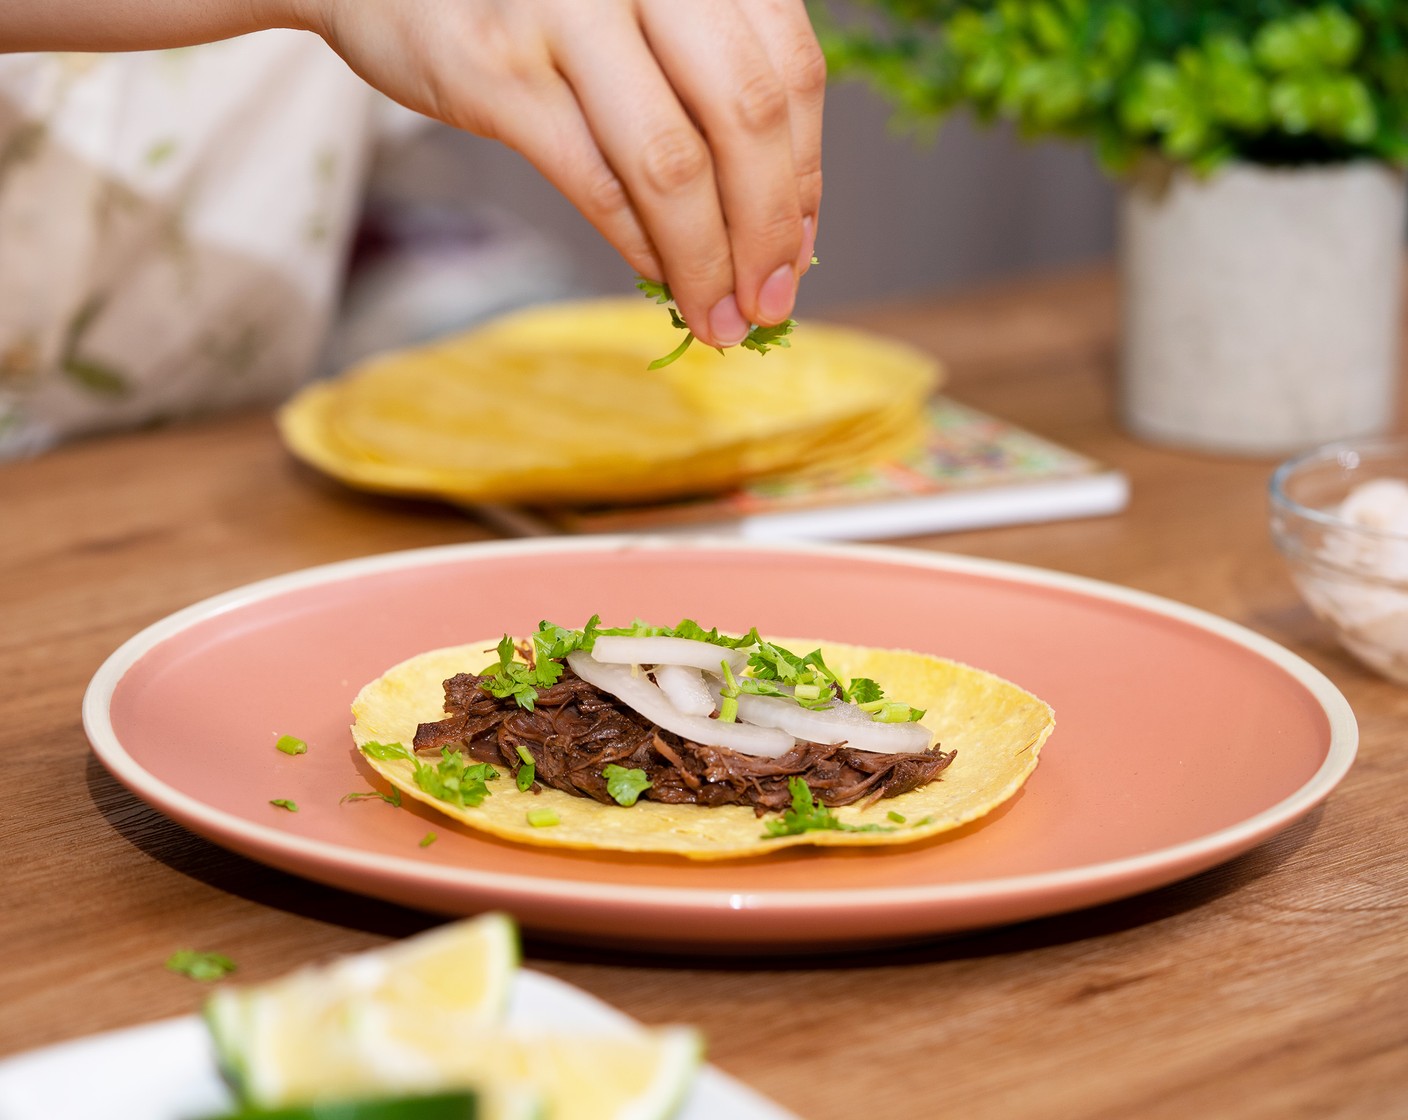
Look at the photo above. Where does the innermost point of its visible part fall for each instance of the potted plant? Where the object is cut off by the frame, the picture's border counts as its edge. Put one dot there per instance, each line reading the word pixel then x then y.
pixel 1260 144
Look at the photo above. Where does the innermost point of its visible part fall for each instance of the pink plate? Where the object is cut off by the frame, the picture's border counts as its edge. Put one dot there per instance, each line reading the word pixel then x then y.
pixel 1182 739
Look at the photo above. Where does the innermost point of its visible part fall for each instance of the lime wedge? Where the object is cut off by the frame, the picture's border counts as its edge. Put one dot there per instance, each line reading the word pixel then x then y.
pixel 299 1038
pixel 426 1016
pixel 436 1106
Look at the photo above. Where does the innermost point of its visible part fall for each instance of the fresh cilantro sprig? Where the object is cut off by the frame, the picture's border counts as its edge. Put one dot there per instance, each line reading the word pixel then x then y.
pixel 454 778
pixel 810 815
pixel 759 339
pixel 511 677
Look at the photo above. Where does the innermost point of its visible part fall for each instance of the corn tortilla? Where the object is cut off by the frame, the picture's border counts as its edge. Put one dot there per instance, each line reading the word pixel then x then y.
pixel 556 404
pixel 996 727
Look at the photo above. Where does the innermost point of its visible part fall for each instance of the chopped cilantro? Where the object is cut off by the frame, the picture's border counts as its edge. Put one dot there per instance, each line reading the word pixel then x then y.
pixel 511 677
pixel 862 690
pixel 763 339
pixel 392 798
pixel 527 772
pixel 284 803
pixel 427 840
pixel 455 779
pixel 291 744
pixel 200 966
pixel 812 682
pixel 687 628
pixel 625 786
pixel 808 815
pixel 898 818
pixel 542 818
pixel 760 339
pixel 385 751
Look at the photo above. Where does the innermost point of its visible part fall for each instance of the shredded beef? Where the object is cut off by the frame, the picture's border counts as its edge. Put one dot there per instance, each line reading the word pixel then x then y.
pixel 575 731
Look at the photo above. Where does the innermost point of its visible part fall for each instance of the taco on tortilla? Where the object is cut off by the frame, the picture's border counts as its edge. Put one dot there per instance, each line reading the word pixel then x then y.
pixel 695 743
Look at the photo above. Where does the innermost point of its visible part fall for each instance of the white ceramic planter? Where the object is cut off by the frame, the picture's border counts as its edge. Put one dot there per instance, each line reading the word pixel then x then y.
pixel 1261 306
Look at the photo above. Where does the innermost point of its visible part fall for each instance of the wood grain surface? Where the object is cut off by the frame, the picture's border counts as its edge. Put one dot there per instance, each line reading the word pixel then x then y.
pixel 1274 986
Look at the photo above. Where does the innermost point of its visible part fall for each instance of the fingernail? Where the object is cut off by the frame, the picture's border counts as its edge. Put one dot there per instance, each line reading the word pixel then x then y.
pixel 726 322
pixel 778 294
pixel 804 259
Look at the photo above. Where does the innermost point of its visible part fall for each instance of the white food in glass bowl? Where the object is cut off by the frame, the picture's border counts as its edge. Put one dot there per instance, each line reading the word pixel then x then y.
pixel 1361 584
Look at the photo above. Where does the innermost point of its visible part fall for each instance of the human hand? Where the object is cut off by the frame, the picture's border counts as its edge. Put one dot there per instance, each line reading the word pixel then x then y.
pixel 687 131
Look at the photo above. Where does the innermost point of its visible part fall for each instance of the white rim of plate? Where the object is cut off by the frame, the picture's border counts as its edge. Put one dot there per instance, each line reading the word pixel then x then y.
pixel 1344 735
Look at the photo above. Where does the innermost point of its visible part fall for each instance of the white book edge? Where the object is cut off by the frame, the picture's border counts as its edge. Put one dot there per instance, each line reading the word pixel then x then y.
pixel 1059 499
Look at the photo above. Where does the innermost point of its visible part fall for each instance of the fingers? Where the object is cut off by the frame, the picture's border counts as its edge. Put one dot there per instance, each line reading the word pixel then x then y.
pixel 725 80
pixel 687 132
pixel 548 128
pixel 785 32
pixel 664 163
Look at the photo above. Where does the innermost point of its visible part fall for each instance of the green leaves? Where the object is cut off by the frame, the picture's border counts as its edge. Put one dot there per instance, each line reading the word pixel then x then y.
pixel 393 798
pixel 284 803
pixel 455 779
pixel 200 966
pixel 386 752
pixel 809 815
pixel 624 786
pixel 1268 81
pixel 759 339
pixel 511 677
pixel 527 772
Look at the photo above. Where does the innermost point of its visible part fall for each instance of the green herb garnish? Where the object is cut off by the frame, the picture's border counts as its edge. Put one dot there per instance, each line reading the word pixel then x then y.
pixel 527 772
pixel 392 798
pixel 291 744
pixel 427 840
pixel 760 339
pixel 284 803
pixel 898 818
pixel 624 786
pixel 455 779
pixel 511 677
pixel 386 752
pixel 862 690
pixel 542 818
pixel 200 966
pixel 809 815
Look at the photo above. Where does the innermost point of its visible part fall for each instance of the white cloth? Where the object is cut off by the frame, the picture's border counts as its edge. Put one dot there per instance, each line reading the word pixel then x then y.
pixel 172 228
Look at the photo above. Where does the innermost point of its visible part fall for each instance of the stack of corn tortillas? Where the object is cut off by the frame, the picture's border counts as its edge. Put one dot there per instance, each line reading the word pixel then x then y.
pixel 556 405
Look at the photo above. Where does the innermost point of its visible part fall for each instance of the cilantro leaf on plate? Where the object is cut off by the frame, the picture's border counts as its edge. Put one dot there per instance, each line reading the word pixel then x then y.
pixel 200 966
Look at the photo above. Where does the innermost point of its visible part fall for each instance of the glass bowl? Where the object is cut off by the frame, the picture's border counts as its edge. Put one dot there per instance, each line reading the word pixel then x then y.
pixel 1339 515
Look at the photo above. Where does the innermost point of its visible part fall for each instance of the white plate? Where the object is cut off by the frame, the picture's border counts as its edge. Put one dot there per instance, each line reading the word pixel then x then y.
pixel 166 1070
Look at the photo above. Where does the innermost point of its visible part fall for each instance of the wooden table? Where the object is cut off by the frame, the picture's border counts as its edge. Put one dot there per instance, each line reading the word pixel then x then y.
pixel 1274 986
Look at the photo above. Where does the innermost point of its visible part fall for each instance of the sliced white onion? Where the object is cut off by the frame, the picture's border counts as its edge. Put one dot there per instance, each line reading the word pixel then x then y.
pixel 834 724
pixel 645 697
pixel 621 649
pixel 685 688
